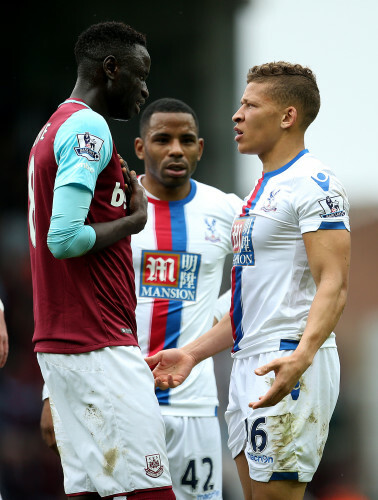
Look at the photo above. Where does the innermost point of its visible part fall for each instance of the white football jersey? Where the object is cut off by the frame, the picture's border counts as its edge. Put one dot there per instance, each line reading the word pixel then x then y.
pixel 178 261
pixel 272 286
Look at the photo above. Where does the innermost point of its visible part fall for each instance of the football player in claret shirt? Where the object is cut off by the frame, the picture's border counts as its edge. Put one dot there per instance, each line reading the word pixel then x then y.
pixel 291 245
pixel 109 428
pixel 178 260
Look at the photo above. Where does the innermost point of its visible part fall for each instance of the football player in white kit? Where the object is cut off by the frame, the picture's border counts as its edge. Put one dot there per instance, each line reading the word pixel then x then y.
pixel 291 244
pixel 178 261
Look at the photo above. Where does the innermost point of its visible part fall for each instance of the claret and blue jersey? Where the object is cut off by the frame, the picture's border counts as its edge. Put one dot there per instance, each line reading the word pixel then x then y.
pixel 272 286
pixel 87 302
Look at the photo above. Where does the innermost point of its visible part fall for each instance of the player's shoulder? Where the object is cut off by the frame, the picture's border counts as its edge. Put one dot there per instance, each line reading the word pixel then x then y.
pixel 88 120
pixel 307 165
pixel 311 172
pixel 85 130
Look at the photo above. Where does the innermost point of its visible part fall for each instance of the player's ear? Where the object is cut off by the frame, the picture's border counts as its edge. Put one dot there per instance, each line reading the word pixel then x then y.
pixel 110 66
pixel 289 117
pixel 139 148
pixel 201 144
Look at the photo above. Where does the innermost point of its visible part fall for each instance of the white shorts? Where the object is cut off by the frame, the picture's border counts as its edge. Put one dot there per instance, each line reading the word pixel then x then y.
pixel 195 457
pixel 284 441
pixel 108 425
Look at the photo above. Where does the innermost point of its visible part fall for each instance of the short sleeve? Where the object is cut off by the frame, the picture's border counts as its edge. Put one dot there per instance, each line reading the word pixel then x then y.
pixel 83 147
pixel 320 202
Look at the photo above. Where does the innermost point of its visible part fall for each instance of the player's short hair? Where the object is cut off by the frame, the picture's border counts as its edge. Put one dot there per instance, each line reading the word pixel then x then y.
pixel 164 105
pixel 290 85
pixel 104 39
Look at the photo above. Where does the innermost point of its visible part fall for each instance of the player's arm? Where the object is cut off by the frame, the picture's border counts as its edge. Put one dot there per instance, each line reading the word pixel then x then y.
pixel 108 233
pixel 328 253
pixel 69 236
pixel 4 346
pixel 75 185
pixel 172 366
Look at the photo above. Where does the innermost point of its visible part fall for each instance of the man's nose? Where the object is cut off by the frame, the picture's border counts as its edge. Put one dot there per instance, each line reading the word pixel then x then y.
pixel 237 116
pixel 145 92
pixel 176 148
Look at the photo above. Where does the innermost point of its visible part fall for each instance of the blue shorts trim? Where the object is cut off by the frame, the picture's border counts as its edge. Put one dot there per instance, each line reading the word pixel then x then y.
pixel 288 344
pixel 284 476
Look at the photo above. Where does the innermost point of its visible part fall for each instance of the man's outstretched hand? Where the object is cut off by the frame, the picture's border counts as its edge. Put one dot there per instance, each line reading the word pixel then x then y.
pixel 170 367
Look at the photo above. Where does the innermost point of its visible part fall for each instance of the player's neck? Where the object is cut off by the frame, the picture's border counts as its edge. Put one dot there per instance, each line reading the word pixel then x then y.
pixel 90 95
pixel 282 153
pixel 164 193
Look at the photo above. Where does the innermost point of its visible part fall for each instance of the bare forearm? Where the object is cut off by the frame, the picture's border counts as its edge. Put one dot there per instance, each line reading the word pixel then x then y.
pixel 324 314
pixel 217 339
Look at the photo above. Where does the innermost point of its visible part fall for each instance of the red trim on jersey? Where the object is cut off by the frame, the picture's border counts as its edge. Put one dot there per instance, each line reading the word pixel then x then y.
pixel 158 326
pixel 163 235
pixel 163 230
pixel 253 196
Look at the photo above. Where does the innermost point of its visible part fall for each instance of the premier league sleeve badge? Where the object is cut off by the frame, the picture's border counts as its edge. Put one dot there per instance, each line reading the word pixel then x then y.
pixel 89 146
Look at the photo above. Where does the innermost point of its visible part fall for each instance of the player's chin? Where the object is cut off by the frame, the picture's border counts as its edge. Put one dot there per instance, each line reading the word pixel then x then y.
pixel 242 148
pixel 245 149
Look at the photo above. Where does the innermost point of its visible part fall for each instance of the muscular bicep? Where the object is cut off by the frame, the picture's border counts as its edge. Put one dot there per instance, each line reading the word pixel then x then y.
pixel 328 253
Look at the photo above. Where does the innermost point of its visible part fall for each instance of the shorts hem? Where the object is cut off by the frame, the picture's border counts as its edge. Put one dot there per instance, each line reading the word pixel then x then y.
pixel 130 494
pixel 266 476
pixel 124 493
pixel 73 495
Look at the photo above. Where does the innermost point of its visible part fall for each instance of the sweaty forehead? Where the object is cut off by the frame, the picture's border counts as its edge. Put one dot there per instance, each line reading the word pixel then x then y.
pixel 171 123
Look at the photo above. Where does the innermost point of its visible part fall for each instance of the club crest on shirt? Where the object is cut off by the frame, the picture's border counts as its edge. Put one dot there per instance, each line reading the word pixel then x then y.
pixel 211 233
pixel 154 467
pixel 241 235
pixel 89 146
pixel 270 204
pixel 169 275
pixel 333 206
